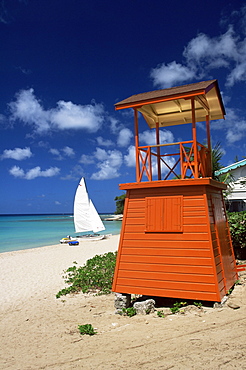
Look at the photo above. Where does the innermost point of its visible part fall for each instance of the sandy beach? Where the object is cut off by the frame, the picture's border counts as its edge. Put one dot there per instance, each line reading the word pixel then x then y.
pixel 39 331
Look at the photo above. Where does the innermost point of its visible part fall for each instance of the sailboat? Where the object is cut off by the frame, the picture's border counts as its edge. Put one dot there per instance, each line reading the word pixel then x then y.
pixel 86 218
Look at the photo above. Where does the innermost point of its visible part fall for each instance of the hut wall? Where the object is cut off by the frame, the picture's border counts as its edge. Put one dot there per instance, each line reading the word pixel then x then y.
pixel 175 243
pixel 221 240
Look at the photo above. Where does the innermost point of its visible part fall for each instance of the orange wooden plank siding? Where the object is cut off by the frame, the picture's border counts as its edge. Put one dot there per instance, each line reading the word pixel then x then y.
pixel 175 241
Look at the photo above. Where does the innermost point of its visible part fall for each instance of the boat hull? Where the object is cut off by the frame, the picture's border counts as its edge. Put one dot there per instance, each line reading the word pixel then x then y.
pixel 68 240
pixel 90 237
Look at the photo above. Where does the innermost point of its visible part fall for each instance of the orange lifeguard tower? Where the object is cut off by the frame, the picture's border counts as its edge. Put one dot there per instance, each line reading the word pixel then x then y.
pixel 175 239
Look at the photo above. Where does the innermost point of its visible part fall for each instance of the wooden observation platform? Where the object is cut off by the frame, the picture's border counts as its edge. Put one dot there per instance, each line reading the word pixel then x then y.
pixel 175 239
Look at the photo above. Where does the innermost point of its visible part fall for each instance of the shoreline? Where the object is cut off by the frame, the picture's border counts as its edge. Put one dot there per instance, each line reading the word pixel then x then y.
pixel 56 246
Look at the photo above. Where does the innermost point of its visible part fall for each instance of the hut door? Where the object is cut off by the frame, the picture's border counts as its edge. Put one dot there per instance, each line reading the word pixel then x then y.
pixel 164 214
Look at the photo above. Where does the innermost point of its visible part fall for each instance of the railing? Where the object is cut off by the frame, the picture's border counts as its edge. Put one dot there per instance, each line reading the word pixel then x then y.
pixel 185 163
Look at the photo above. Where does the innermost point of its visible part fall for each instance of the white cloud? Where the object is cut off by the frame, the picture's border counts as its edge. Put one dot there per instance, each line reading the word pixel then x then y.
pixel 114 158
pixel 233 135
pixel 24 70
pixel 43 144
pixel 74 174
pixel 149 137
pixel 37 172
pixel 104 142
pixel 86 159
pixel 101 154
pixel 124 137
pixel 34 172
pixel 130 158
pixel 5 16
pixel 114 125
pixel 105 172
pixel 5 123
pixel 234 126
pixel 172 73
pixel 206 49
pixel 55 152
pixel 66 116
pixel 17 153
pixel 236 131
pixel 226 50
pixel 17 172
pixel 68 152
pixel 237 74
pixel 109 163
pixel 28 109
pixel 71 116
pixel 202 55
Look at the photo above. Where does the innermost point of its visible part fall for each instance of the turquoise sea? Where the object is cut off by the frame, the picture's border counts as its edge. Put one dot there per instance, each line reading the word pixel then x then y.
pixel 32 231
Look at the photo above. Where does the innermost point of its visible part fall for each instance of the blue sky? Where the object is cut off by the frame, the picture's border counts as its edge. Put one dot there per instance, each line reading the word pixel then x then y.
pixel 64 64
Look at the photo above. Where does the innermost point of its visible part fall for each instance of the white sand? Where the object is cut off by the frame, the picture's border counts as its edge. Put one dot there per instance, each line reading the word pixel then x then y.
pixel 38 331
pixel 38 272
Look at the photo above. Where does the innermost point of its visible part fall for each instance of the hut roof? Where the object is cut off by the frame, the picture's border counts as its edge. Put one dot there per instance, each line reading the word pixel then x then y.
pixel 172 106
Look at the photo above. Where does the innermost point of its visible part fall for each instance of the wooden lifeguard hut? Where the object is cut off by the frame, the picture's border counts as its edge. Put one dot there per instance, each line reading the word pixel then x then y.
pixel 175 239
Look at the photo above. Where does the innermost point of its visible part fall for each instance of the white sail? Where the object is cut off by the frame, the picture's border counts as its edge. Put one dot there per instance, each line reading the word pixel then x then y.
pixel 86 217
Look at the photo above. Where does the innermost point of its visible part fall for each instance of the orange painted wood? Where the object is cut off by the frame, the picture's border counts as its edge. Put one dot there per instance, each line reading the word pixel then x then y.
pixel 194 295
pixel 172 244
pixel 166 277
pixel 172 285
pixel 197 270
pixel 166 237
pixel 194 263
pixel 170 260
pixel 198 220
pixel 157 252
pixel 164 214
pixel 175 183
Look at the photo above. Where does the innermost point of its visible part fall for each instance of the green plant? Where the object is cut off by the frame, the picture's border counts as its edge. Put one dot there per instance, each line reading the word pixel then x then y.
pixel 216 154
pixel 230 291
pixel 237 222
pixel 198 304
pixel 176 307
pixel 86 329
pixel 130 311
pixel 160 314
pixel 95 276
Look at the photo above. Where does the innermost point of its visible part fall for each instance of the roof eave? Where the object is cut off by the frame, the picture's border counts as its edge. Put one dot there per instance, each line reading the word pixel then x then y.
pixel 233 166
pixel 140 103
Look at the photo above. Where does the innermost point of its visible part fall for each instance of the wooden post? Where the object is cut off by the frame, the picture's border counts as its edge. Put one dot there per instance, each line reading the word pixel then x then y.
pixel 194 137
pixel 158 150
pixel 181 161
pixel 209 157
pixel 136 144
pixel 149 163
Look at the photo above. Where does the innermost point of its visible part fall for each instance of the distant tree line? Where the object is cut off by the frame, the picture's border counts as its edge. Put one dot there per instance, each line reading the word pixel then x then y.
pixel 120 202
